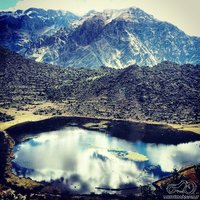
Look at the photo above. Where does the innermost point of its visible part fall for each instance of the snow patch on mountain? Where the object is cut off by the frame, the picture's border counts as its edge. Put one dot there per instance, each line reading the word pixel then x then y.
pixel 112 38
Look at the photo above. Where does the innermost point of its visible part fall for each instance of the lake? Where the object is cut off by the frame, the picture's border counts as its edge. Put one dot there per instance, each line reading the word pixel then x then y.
pixel 84 161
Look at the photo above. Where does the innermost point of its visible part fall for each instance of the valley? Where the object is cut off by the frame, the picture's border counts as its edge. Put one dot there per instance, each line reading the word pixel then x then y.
pixel 94 105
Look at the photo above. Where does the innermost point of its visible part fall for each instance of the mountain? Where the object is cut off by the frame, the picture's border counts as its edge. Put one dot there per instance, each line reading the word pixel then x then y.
pixel 24 81
pixel 21 29
pixel 167 92
pixel 112 38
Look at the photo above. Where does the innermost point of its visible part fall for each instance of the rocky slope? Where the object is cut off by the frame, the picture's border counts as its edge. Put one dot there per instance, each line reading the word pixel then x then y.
pixel 24 81
pixel 21 29
pixel 167 92
pixel 113 38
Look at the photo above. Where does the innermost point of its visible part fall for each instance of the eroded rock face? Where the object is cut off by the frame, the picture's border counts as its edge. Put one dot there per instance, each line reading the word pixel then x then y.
pixel 20 30
pixel 113 38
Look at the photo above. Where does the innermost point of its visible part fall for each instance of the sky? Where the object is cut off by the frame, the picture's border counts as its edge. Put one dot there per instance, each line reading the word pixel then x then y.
pixel 185 14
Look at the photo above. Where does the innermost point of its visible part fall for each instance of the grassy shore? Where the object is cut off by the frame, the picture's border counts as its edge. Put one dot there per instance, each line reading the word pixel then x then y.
pixel 27 115
pixel 190 127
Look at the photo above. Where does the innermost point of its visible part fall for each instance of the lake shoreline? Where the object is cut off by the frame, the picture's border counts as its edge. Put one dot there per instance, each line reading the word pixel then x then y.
pixel 117 128
pixel 145 131
pixel 27 114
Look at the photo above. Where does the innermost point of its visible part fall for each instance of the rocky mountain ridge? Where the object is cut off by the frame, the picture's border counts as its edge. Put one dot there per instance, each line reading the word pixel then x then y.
pixel 112 38
pixel 21 29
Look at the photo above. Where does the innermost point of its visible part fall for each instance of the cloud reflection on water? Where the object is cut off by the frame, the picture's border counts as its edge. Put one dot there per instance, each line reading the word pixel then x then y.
pixel 172 156
pixel 82 159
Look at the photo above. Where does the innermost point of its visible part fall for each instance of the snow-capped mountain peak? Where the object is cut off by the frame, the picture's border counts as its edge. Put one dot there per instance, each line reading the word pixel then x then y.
pixel 112 38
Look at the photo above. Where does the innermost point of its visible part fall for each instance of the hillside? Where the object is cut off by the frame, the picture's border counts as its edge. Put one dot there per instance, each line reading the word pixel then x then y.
pixel 167 92
pixel 24 81
pixel 112 38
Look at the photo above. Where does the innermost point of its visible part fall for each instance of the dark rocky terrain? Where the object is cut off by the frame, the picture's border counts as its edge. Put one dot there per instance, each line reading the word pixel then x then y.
pixel 167 92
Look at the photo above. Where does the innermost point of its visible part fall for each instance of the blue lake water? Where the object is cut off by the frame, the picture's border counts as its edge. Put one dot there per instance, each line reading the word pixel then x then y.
pixel 84 160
